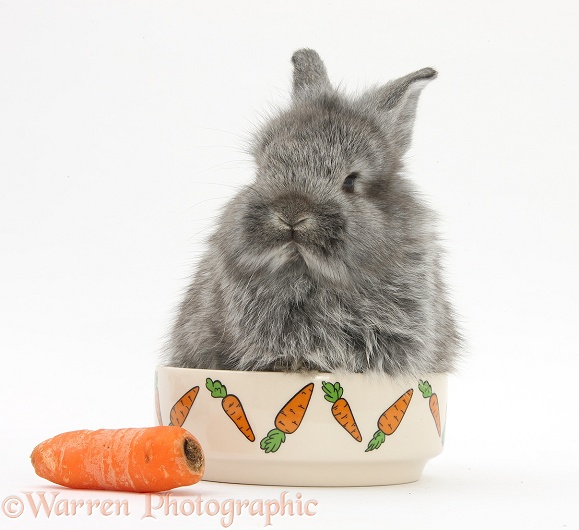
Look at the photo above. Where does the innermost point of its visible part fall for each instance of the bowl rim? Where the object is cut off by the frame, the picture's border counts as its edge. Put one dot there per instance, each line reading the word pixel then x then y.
pixel 307 374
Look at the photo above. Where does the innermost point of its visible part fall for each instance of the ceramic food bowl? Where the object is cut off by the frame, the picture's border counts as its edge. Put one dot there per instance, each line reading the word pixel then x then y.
pixel 306 429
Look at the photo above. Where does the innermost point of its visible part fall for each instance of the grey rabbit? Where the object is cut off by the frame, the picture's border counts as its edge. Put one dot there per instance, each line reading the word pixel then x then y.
pixel 328 261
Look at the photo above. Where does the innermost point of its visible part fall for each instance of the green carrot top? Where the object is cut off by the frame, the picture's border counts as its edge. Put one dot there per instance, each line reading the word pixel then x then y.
pixel 333 391
pixel 425 388
pixel 216 388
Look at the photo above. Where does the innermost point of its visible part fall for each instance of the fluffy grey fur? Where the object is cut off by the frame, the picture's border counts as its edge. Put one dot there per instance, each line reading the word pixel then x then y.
pixel 328 260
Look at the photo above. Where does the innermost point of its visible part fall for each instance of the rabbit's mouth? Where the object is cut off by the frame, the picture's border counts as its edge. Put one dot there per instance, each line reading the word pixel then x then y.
pixel 288 255
pixel 293 246
pixel 293 252
pixel 310 261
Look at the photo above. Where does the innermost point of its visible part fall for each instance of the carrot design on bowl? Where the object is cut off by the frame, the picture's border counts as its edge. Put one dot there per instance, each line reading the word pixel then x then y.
pixel 232 407
pixel 426 389
pixel 341 409
pixel 390 420
pixel 181 409
pixel 288 419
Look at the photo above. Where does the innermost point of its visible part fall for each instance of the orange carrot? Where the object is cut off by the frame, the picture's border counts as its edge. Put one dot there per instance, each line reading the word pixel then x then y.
pixel 341 409
pixel 232 406
pixel 288 419
pixel 181 409
pixel 234 409
pixel 292 413
pixel 150 459
pixel 390 420
pixel 426 389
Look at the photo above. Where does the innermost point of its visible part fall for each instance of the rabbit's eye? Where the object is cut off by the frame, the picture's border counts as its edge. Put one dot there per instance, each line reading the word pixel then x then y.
pixel 348 184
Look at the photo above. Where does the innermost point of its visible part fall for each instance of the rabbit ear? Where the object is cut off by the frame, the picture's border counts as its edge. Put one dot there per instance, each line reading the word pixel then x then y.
pixel 310 75
pixel 396 103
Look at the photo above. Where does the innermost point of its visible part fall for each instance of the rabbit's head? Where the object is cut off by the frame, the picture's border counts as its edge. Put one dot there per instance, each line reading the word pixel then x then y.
pixel 328 260
pixel 328 198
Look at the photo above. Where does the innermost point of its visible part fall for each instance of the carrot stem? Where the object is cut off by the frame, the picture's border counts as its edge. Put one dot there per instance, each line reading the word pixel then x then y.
pixel 376 441
pixel 425 388
pixel 333 392
pixel 272 442
pixel 216 388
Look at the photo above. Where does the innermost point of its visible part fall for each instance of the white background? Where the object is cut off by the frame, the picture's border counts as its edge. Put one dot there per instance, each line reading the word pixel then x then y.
pixel 122 131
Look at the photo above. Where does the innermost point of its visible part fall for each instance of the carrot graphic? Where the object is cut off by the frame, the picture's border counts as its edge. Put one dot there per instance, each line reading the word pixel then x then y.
pixel 390 420
pixel 150 459
pixel 232 406
pixel 341 409
pixel 181 409
pixel 288 419
pixel 426 389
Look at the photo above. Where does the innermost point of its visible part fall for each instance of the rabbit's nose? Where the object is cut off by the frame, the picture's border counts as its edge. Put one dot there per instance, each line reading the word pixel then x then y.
pixel 291 209
pixel 292 223
pixel 291 226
